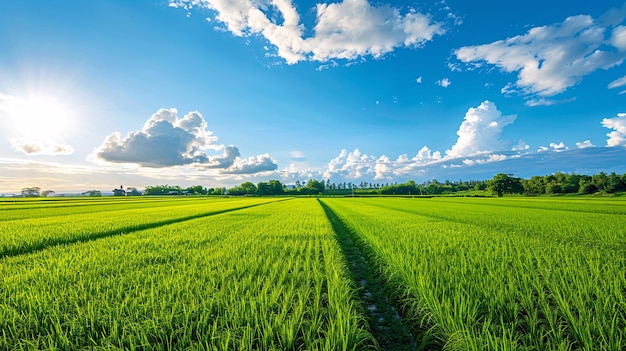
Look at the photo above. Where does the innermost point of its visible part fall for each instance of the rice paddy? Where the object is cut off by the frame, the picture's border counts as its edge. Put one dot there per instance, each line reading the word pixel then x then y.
pixel 288 274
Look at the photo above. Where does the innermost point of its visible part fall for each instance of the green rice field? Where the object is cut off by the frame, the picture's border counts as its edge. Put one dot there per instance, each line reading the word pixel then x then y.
pixel 201 273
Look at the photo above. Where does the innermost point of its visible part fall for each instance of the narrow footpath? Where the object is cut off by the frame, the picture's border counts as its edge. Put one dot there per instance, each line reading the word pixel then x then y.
pixel 386 323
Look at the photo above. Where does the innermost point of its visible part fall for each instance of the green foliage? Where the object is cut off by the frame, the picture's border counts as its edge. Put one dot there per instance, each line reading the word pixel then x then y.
pixel 505 184
pixel 196 190
pixel 31 192
pixel 407 188
pixel 163 190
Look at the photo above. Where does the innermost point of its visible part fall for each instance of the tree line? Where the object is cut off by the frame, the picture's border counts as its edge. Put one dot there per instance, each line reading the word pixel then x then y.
pixel 500 184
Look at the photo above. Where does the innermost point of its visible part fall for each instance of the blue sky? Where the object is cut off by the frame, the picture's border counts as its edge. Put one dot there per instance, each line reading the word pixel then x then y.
pixel 98 93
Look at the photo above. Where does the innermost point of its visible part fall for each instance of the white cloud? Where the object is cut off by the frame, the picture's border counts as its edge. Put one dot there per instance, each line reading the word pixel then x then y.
pixel 482 161
pixel 559 147
pixel 297 155
pixel 521 146
pixel 252 165
pixel 418 80
pixel 618 136
pixel 351 165
pixel 620 82
pixel 584 144
pixel 347 30
pixel 445 82
pixel 550 59
pixel 547 102
pixel 618 39
pixel 480 131
pixel 478 142
pixel 554 147
pixel 167 140
pixel 31 147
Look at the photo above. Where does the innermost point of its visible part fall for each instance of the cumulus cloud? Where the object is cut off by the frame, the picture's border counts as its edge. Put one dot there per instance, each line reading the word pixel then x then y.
pixel 167 140
pixel 478 143
pixel 553 147
pixel 349 29
pixel 252 165
pixel 444 83
pixel 480 131
pixel 351 165
pixel 550 59
pixel 559 147
pixel 618 136
pixel 584 144
pixel 30 147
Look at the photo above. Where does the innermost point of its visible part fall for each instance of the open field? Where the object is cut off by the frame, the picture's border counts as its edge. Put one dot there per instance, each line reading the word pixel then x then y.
pixel 313 274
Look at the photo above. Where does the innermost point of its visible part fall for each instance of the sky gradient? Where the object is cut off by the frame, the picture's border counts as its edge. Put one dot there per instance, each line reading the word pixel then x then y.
pixel 94 94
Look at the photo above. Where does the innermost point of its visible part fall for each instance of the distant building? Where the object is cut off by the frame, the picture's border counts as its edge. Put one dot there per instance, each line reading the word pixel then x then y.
pixel 119 192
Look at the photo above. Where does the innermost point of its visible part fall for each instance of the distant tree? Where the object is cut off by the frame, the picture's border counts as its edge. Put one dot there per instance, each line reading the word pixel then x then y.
pixel 132 192
pixel 262 189
pixel 31 192
pixel 571 183
pixel 408 188
pixel 533 186
pixel 614 183
pixel 47 193
pixel 600 180
pixel 316 186
pixel 248 187
pixel 275 187
pixel 196 190
pixel 505 184
pixel 93 193
pixel 217 191
pixel 553 188
pixel 163 190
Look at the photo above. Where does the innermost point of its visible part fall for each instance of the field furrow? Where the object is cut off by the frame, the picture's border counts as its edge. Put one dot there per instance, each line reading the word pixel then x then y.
pixel 382 309
pixel 28 235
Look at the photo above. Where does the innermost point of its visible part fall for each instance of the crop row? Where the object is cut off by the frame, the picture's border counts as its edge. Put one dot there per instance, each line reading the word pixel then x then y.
pixel 584 228
pixel 252 279
pixel 25 235
pixel 27 208
pixel 481 277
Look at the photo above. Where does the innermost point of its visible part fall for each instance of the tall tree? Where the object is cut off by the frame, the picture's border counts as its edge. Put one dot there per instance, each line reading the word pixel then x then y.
pixel 31 192
pixel 505 184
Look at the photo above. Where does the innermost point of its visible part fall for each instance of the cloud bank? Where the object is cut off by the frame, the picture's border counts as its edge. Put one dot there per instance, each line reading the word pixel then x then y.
pixel 167 141
pixel 550 59
pixel 480 152
pixel 478 143
pixel 349 30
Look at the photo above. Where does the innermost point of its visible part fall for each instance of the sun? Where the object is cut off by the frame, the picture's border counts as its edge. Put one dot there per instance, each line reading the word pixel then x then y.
pixel 41 117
